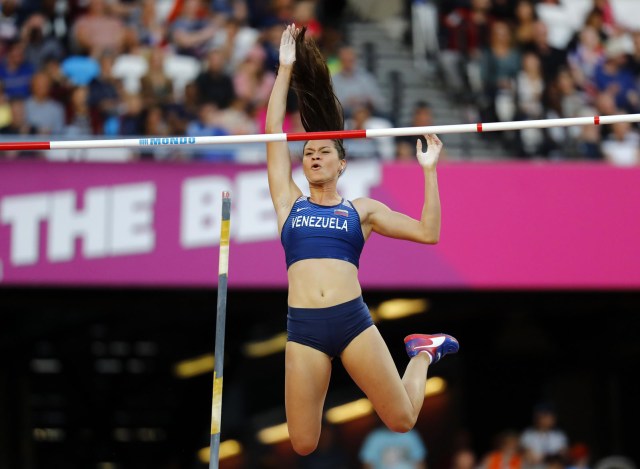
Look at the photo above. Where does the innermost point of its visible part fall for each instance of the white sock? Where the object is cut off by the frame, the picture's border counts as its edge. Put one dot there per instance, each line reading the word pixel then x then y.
pixel 429 354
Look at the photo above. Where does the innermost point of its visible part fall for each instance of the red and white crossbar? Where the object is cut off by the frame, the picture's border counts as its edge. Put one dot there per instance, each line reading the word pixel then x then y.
pixel 149 142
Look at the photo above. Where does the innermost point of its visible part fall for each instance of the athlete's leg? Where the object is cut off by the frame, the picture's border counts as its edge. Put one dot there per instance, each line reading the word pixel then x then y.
pixel 307 373
pixel 397 401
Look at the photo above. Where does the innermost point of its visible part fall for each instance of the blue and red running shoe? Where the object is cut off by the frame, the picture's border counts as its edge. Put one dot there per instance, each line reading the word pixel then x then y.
pixel 436 345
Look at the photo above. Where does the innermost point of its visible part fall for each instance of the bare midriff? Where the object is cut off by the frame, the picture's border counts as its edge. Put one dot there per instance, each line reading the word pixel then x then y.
pixel 320 283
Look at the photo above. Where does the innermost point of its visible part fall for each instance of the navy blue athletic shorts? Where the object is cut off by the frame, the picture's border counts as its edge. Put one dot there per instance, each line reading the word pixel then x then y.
pixel 330 329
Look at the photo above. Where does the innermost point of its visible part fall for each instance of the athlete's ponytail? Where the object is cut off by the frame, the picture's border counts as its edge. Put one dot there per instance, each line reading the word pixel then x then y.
pixel 320 109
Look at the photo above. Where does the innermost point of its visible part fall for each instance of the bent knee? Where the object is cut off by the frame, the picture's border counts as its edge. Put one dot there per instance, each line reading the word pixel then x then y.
pixel 304 445
pixel 304 440
pixel 401 423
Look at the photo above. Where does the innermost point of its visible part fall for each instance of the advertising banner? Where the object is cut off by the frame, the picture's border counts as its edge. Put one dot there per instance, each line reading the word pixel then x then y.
pixel 504 225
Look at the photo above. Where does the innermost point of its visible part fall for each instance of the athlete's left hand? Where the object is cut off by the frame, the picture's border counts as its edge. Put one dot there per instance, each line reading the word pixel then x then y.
pixel 429 159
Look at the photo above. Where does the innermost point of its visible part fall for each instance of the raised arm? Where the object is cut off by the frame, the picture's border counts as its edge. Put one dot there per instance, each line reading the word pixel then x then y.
pixel 283 190
pixel 381 219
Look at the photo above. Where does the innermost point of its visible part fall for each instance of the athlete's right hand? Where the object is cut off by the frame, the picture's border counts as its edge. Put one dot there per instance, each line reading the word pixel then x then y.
pixel 288 45
pixel 429 159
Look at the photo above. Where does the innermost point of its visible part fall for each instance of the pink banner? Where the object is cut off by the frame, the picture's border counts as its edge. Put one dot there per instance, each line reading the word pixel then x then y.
pixel 517 225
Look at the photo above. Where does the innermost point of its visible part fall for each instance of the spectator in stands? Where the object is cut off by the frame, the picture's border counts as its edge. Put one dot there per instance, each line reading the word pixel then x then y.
pixel 42 113
pixel 80 69
pixel 585 58
pixel 261 14
pixel 579 456
pixel 292 119
pixel 557 143
pixel 132 118
pixel 606 105
pixel 19 124
pixel 235 41
pixel 60 85
pixel 634 57
pixel 543 438
pixel 226 7
pixel 104 97
pixel 463 458
pixel 5 110
pixel 525 20
pixel 56 24
pixel 252 81
pixel 573 100
pixel 178 115
pixel 580 140
pixel 147 30
pixel 98 31
pixel 193 31
pixel 283 10
pixel 9 30
pixel 507 453
pixel 155 123
pixel 530 89
pixel 500 64
pixel 384 449
pixel 588 144
pixel 613 77
pixel 608 19
pixel 271 32
pixel 551 58
pixel 382 147
pixel 16 73
pixel 622 146
pixel 237 120
pixel 595 20
pixel 422 116
pixel 125 9
pixel 304 15
pixel 39 46
pixel 466 32
pixel 214 84
pixel 355 86
pixel 329 13
pixel 208 124
pixel 79 117
pixel 142 28
pixel 156 86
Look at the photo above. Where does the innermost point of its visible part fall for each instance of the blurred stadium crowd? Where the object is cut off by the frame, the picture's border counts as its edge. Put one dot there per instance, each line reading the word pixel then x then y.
pixel 78 68
pixel 526 59
pixel 541 445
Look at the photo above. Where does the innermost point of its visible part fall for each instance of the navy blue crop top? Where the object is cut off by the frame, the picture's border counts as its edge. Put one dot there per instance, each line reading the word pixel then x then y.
pixel 315 231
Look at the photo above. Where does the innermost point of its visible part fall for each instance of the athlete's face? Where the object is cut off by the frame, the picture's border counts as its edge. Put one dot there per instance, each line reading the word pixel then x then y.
pixel 321 161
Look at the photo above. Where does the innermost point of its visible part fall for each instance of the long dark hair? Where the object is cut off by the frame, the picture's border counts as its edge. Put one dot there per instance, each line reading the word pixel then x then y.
pixel 320 109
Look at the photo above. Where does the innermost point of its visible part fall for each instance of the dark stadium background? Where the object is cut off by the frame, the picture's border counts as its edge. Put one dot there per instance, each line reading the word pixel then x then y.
pixel 577 349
